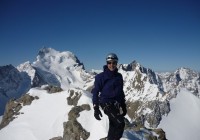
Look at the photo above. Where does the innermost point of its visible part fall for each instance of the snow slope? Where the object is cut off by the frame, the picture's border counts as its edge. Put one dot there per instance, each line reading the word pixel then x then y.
pixel 50 111
pixel 183 122
pixel 44 118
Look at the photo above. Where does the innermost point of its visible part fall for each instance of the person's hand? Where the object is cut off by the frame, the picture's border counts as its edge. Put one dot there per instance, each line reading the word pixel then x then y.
pixel 123 106
pixel 97 112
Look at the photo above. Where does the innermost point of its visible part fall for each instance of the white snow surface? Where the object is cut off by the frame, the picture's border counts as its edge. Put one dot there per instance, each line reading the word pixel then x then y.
pixel 43 119
pixel 183 123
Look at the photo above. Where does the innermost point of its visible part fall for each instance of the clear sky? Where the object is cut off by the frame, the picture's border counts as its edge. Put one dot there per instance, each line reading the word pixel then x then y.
pixel 160 34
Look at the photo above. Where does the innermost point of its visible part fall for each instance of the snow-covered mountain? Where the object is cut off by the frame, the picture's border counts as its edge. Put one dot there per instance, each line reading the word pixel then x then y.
pixel 181 78
pixel 62 69
pixel 144 94
pixel 148 96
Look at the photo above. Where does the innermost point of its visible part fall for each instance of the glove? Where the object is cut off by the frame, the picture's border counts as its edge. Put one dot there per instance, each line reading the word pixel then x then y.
pixel 123 106
pixel 97 112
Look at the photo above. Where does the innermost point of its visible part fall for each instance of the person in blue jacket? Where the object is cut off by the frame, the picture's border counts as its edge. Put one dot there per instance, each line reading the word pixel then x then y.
pixel 109 95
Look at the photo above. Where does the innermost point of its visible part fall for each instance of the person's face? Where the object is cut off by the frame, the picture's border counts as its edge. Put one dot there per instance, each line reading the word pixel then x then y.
pixel 112 65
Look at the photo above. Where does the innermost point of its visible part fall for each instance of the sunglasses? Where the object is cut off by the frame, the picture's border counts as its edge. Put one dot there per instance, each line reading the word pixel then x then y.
pixel 114 63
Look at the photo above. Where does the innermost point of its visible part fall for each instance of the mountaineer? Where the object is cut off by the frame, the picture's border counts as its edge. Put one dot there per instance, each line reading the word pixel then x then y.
pixel 109 95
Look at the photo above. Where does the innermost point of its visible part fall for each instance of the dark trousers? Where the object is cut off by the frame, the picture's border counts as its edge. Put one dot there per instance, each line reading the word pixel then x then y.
pixel 116 121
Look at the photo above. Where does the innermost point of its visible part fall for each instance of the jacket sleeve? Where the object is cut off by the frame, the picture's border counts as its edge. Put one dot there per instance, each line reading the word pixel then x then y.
pixel 123 100
pixel 96 90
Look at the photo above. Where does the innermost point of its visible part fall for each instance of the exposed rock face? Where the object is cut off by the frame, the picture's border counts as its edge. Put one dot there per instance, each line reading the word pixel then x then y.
pixel 144 94
pixel 53 89
pixel 158 110
pixel 72 128
pixel 56 138
pixel 73 98
pixel 13 84
pixel 148 134
pixel 13 107
pixel 153 111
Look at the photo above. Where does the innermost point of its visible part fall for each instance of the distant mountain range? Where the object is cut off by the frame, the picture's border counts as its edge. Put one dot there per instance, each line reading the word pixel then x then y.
pixel 148 94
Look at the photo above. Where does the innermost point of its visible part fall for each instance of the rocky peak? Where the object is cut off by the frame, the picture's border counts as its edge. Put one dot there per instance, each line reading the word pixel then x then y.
pixel 144 91
pixel 140 75
pixel 62 69
pixel 49 56
pixel 27 67
pixel 186 73
pixel 181 78
pixel 130 67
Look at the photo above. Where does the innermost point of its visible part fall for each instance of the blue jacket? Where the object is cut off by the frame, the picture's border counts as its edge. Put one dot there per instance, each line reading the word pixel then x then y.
pixel 108 87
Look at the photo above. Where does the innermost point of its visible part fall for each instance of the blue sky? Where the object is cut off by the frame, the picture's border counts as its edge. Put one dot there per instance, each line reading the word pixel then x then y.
pixel 160 34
